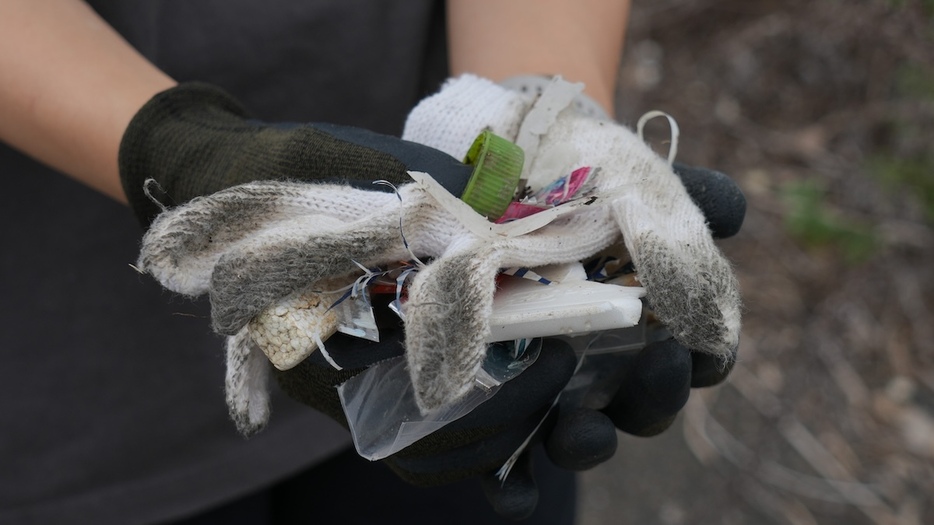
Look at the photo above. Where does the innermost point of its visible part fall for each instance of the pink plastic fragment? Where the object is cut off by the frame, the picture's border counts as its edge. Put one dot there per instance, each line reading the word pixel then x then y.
pixel 564 188
pixel 518 210
pixel 557 192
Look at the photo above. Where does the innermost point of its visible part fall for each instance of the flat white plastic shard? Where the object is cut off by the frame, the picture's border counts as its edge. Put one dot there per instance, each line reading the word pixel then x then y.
pixel 557 95
pixel 573 306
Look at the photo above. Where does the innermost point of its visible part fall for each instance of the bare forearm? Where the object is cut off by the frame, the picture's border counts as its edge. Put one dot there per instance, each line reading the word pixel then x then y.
pixel 582 40
pixel 69 85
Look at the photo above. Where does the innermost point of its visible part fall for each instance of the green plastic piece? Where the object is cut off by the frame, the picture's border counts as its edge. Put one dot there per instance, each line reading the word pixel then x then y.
pixel 497 166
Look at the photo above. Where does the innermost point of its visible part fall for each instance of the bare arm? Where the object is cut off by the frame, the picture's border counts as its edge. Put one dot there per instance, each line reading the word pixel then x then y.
pixel 69 85
pixel 582 40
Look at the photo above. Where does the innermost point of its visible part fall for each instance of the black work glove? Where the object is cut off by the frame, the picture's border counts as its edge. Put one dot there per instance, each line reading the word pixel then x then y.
pixel 195 139
pixel 477 444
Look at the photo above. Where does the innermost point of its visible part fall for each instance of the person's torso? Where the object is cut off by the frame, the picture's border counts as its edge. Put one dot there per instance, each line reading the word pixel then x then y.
pixel 111 389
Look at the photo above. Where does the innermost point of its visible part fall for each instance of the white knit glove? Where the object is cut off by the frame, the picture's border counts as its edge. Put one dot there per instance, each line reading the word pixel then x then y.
pixel 688 282
pixel 261 249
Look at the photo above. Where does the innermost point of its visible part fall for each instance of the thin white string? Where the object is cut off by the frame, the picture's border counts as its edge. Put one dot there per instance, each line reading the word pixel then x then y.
pixel 675 131
pixel 148 193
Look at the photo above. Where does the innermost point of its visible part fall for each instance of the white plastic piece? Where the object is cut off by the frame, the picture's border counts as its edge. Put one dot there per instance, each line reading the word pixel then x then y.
pixel 356 318
pixel 556 96
pixel 324 353
pixel 568 306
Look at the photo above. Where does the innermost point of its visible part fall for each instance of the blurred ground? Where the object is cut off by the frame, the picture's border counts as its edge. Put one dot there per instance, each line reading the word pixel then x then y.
pixel 823 111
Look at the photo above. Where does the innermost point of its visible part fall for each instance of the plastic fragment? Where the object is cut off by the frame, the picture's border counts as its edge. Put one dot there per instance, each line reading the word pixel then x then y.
pixel 355 311
pixel 556 96
pixel 324 353
pixel 526 273
pixel 565 188
pixel 558 192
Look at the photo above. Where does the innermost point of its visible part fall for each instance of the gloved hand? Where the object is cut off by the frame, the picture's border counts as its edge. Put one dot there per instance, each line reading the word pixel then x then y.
pixel 255 246
pixel 689 284
pixel 194 141
pixel 192 251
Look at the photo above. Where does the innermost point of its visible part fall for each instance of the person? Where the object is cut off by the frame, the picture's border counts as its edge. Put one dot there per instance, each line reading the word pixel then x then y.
pixel 112 396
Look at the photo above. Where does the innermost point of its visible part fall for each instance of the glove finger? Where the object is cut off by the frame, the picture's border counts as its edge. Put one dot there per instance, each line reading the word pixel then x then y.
pixel 581 439
pixel 446 320
pixel 708 370
pixel 687 279
pixel 689 284
pixel 246 384
pixel 183 245
pixel 653 391
pixel 272 265
pixel 515 497
pixel 717 195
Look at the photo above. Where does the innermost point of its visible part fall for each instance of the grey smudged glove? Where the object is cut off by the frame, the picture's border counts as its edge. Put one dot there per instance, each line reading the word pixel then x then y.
pixel 667 218
pixel 643 203
pixel 195 140
pixel 652 384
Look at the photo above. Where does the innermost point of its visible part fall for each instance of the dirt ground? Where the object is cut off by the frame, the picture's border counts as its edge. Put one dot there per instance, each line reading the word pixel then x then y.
pixel 823 111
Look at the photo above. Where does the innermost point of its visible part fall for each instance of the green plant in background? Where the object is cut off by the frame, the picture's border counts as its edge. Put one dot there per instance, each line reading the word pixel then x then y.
pixel 927 6
pixel 908 166
pixel 913 80
pixel 813 222
pixel 912 175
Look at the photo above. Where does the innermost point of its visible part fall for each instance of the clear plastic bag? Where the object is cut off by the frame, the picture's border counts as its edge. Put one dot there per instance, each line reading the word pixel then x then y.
pixel 379 403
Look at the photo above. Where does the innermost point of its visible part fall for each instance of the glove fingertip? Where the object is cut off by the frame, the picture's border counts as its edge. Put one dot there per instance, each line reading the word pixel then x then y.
pixel 717 195
pixel 654 391
pixel 581 440
pixel 515 497
pixel 709 370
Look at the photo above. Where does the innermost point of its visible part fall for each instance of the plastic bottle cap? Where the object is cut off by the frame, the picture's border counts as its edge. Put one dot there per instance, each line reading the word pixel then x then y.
pixel 497 166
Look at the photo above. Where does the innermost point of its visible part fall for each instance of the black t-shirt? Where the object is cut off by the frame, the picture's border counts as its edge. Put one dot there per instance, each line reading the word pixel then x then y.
pixel 111 389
